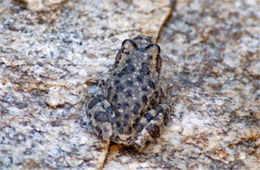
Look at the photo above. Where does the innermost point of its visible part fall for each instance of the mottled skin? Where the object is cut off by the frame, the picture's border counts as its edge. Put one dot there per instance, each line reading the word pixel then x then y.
pixel 128 111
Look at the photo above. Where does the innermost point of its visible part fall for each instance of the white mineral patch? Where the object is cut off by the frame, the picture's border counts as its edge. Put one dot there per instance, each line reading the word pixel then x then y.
pixel 254 68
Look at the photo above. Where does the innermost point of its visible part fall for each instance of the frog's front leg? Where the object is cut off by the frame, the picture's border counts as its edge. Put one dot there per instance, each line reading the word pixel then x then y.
pixel 99 112
pixel 151 126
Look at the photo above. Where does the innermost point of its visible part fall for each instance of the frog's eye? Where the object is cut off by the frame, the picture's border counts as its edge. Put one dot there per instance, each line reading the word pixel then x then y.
pixel 155 61
pixel 153 49
pixel 128 45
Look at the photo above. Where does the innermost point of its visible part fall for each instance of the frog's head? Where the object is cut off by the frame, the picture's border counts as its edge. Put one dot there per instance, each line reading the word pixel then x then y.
pixel 142 51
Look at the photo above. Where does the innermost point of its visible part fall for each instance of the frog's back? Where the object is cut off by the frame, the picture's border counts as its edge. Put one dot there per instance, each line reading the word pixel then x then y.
pixel 133 87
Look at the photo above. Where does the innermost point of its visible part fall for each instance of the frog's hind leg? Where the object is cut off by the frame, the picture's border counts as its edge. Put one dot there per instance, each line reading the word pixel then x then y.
pixel 151 126
pixel 99 113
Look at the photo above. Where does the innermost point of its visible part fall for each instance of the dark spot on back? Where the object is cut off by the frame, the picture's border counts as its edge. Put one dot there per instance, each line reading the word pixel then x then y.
pixel 128 93
pixel 151 84
pixel 125 122
pixel 95 100
pixel 130 68
pixel 123 72
pixel 116 81
pixel 144 99
pixel 129 130
pixel 136 108
pixel 120 74
pixel 115 97
pixel 129 83
pixel 139 78
pixel 125 105
pixel 120 130
pixel 129 61
pixel 144 88
pixel 114 120
pixel 101 116
pixel 118 124
pixel 118 105
pixel 144 69
pixel 126 117
pixel 117 113
pixel 119 88
pixel 153 102
pixel 156 94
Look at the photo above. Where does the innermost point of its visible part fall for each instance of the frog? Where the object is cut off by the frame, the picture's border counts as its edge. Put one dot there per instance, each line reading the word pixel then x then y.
pixel 129 109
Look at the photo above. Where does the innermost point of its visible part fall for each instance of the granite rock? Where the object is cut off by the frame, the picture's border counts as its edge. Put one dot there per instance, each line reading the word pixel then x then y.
pixel 42 5
pixel 48 61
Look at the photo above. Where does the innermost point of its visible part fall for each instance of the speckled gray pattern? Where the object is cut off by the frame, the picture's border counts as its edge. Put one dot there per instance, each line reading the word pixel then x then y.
pixel 129 110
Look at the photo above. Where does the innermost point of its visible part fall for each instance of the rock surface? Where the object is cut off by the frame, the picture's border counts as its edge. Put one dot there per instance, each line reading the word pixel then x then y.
pixel 210 55
pixel 42 5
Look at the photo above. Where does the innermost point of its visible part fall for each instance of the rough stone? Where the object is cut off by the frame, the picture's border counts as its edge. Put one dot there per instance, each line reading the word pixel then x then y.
pixel 211 58
pixel 42 5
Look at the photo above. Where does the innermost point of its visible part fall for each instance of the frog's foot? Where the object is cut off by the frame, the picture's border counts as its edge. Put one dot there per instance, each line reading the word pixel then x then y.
pixel 99 113
pixel 151 126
